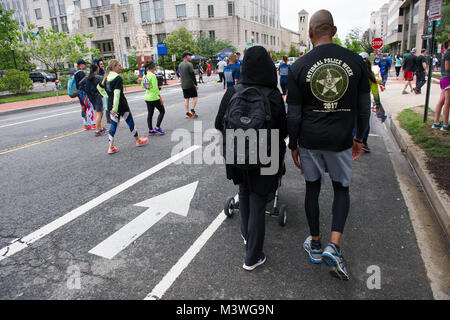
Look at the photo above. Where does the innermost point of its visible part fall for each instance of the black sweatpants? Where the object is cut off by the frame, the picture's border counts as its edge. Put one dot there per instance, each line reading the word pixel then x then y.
pixel 253 223
pixel 420 80
pixel 151 105
pixel 222 79
pixel 341 206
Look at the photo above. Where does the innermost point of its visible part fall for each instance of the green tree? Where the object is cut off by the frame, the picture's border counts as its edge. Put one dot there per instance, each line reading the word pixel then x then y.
pixel 443 31
pixel 16 82
pixel 353 41
pixel 337 41
pixel 293 51
pixel 210 46
pixel 180 41
pixel 54 48
pixel 9 38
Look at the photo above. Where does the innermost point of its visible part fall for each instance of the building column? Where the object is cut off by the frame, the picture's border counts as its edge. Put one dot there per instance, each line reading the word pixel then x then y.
pixel 421 24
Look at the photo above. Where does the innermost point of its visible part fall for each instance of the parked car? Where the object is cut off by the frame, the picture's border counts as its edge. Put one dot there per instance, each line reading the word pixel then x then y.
pixel 170 74
pixel 2 74
pixel 277 64
pixel 41 76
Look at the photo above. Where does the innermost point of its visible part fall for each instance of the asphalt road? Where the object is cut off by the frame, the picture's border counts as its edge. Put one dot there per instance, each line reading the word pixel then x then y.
pixel 50 168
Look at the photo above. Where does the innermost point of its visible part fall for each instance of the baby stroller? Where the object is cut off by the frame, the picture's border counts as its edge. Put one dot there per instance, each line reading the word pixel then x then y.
pixel 273 208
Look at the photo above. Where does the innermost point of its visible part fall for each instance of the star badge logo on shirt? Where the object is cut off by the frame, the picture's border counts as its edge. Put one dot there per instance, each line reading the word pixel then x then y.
pixel 329 83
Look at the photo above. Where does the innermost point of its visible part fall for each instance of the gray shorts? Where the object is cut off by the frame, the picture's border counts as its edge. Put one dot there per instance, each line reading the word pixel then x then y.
pixel 316 163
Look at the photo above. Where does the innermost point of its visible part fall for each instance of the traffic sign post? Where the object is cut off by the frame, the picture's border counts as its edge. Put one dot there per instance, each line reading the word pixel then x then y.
pixel 434 16
pixel 377 43
pixel 162 51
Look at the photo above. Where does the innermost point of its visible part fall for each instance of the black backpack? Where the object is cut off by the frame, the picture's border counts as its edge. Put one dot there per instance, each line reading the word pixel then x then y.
pixel 248 109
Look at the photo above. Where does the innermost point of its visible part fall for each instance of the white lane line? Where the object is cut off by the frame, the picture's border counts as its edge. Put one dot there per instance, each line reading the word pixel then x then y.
pixel 37 114
pixel 43 118
pixel 168 280
pixel 24 242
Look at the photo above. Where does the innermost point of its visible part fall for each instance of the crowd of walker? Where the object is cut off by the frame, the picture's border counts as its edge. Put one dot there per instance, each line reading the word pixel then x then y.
pixel 324 108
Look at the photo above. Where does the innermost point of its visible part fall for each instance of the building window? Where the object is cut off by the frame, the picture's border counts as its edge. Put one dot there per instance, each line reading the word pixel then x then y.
pixel 230 8
pixel 181 10
pixel 64 26
pixel 161 37
pixel 108 19
pixel 257 37
pixel 212 34
pixel 159 10
pixel 198 10
pixel 77 3
pixel 94 3
pixel 91 22
pixel 62 7
pixel 124 17
pixel 210 11
pixel 99 21
pixel 38 13
pixel 51 8
pixel 246 36
pixel 150 39
pixel 106 2
pixel 54 23
pixel 400 28
pixel 145 11
pixel 123 1
pixel 127 42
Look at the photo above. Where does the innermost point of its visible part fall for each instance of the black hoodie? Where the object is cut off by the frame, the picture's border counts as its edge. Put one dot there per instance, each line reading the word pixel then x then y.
pixel 258 70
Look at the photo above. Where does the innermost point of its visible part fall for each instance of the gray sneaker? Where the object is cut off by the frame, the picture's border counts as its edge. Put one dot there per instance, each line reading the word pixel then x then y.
pixel 315 255
pixel 260 262
pixel 333 258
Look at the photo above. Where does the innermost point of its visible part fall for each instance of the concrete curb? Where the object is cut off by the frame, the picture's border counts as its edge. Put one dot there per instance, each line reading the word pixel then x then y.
pixel 65 103
pixel 433 194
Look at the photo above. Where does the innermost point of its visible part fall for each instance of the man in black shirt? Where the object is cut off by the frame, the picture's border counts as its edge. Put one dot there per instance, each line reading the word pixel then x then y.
pixel 409 67
pixel 421 72
pixel 328 93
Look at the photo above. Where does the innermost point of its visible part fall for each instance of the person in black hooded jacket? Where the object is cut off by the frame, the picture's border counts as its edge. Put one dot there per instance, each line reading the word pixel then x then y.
pixel 258 70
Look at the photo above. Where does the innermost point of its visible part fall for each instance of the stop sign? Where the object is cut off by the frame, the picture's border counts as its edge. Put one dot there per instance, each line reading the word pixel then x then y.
pixel 377 43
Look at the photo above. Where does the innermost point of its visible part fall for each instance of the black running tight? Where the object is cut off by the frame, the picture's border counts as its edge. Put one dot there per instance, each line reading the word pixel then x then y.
pixel 151 105
pixel 341 206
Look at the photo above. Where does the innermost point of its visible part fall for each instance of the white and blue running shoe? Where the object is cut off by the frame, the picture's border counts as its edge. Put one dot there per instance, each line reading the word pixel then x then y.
pixel 315 255
pixel 333 258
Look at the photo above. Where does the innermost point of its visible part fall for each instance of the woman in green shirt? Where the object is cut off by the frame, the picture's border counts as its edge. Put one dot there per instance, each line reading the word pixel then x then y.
pixel 153 99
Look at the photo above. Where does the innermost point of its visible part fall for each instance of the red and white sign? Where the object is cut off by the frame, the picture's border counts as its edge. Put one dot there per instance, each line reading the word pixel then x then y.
pixel 377 43
pixel 435 10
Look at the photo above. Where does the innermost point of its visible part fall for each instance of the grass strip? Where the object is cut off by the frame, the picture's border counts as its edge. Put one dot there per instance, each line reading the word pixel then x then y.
pixel 433 142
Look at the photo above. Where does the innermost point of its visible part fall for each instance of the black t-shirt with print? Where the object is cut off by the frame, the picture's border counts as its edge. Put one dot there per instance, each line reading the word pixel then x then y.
pixel 410 63
pixel 116 84
pixel 419 62
pixel 327 83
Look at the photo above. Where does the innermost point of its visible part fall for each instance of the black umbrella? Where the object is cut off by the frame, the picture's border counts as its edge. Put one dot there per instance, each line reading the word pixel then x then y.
pixel 225 52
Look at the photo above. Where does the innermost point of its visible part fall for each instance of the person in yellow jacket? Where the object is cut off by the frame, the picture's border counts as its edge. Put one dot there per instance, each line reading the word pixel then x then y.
pixel 153 99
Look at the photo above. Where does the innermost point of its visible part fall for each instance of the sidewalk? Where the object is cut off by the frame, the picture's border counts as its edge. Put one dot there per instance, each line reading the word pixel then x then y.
pixel 395 102
pixel 61 100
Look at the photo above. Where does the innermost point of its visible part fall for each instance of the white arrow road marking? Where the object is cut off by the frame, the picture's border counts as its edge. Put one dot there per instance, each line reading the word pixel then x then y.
pixel 176 201
pixel 24 242
pixel 168 280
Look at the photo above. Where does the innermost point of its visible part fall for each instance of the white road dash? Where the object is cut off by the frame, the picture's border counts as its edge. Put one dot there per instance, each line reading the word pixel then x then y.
pixel 168 280
pixel 26 241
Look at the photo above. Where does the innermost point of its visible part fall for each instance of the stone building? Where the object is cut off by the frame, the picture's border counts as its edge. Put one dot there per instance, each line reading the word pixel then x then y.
pixel 115 22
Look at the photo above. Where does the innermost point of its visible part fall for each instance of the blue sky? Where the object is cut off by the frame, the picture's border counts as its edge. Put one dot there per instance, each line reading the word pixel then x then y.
pixel 347 13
